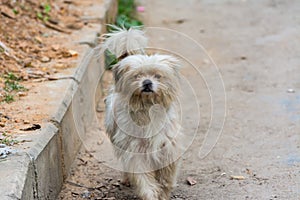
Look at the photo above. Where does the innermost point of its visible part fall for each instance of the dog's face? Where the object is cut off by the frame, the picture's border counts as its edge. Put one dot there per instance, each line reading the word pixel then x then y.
pixel 147 80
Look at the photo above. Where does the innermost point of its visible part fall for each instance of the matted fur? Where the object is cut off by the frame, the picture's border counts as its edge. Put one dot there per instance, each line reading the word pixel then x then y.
pixel 143 126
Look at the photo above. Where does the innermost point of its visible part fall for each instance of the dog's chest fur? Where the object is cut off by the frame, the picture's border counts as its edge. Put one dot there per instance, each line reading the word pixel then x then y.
pixel 145 130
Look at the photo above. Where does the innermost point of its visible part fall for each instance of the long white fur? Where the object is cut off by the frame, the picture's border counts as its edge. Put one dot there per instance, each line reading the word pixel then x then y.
pixel 122 41
pixel 155 147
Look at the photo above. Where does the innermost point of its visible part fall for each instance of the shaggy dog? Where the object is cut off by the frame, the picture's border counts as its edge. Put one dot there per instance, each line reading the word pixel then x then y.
pixel 142 119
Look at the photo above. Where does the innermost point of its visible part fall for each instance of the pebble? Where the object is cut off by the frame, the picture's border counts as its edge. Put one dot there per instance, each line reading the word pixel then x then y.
pixel 290 90
pixel 3 119
pixel 86 194
pixel 22 94
pixel 45 59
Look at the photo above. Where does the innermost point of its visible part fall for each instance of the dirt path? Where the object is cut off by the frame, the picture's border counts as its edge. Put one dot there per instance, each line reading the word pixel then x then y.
pixel 255 45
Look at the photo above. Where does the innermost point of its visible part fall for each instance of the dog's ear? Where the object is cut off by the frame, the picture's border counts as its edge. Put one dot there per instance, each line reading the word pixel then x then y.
pixel 118 71
pixel 173 63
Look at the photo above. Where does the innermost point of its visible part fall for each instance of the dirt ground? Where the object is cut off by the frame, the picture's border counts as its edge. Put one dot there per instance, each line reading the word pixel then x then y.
pixel 38 43
pixel 255 45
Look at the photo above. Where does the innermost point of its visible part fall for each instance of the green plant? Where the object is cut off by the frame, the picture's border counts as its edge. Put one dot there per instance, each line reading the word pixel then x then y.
pixel 47 8
pixel 8 98
pixel 44 15
pixel 126 18
pixel 11 76
pixel 15 11
pixel 11 86
pixel 12 83
pixel 127 15
pixel 7 140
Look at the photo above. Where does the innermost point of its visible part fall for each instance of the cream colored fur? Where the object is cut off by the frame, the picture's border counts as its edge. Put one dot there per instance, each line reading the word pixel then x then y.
pixel 143 126
pixel 121 41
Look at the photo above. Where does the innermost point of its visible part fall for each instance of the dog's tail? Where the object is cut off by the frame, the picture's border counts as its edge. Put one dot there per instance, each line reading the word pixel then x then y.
pixel 122 42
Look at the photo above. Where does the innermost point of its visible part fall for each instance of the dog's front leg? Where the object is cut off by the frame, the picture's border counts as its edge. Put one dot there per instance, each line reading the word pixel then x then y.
pixel 125 180
pixel 146 185
pixel 167 178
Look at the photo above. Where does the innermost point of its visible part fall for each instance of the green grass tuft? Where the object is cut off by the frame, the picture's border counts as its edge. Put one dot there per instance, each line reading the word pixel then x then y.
pixel 11 86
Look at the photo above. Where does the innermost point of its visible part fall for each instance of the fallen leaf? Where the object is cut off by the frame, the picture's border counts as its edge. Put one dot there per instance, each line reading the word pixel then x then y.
pixel 73 53
pixel 26 122
pixel 237 177
pixel 60 66
pixel 22 94
pixel 38 39
pixel 191 181
pixel 31 128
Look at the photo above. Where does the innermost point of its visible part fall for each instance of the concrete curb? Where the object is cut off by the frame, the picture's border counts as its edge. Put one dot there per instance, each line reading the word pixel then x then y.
pixel 39 171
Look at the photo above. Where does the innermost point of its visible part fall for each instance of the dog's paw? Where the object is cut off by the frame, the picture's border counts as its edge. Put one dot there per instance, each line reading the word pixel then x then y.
pixel 125 182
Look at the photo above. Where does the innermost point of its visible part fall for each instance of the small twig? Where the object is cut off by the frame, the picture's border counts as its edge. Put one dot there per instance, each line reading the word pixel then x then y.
pixel 51 78
pixel 4 47
pixel 90 44
pixel 83 186
pixel 7 53
pixel 56 28
pixel 76 184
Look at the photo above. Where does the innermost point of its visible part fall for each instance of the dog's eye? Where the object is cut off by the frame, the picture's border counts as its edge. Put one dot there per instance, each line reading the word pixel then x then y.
pixel 137 76
pixel 158 76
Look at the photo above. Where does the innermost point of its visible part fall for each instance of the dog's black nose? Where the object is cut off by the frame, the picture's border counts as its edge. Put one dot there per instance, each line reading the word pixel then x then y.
pixel 147 83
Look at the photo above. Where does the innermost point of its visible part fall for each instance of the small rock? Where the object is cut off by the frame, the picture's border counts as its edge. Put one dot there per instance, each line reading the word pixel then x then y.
pixel 27 62
pixel 45 59
pixel 86 194
pixel 116 184
pixel 2 124
pixel 290 90
pixel 22 94
pixel 3 119
pixel 2 145
pixel 55 47
pixel 26 121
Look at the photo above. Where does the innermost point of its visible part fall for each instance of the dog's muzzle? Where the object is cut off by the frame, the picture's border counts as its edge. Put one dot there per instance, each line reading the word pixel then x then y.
pixel 147 86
